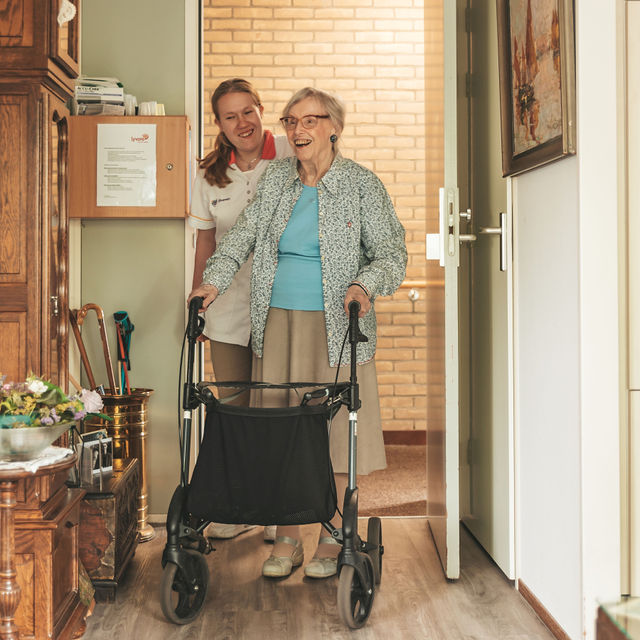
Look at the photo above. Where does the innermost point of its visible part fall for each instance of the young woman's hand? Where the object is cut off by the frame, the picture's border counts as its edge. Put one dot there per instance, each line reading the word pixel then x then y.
pixel 207 292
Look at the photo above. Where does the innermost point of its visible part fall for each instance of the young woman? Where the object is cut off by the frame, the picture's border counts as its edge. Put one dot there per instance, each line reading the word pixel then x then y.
pixel 225 184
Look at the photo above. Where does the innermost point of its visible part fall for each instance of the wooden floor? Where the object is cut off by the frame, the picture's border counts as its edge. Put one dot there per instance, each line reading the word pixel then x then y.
pixel 414 600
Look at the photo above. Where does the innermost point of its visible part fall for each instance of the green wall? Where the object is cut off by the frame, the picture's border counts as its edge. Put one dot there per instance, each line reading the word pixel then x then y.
pixel 140 42
pixel 138 265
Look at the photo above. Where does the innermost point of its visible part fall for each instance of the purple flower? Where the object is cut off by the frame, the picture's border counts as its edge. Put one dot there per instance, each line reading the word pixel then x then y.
pixel 54 415
pixel 78 415
pixel 47 421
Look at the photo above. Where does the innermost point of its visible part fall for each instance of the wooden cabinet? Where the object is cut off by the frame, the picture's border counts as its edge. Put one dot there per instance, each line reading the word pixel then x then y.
pixel 46 555
pixel 38 61
pixel 40 523
pixel 109 527
pixel 169 179
pixel 34 44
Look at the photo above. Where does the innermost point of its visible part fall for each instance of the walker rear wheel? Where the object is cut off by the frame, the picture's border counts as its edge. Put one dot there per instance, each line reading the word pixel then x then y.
pixel 355 599
pixel 181 601
pixel 374 537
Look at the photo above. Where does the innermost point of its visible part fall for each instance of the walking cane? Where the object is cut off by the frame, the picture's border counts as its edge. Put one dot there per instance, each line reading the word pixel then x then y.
pixel 77 316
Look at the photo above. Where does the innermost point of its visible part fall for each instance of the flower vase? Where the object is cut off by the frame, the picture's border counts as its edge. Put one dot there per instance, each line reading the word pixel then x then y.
pixel 26 443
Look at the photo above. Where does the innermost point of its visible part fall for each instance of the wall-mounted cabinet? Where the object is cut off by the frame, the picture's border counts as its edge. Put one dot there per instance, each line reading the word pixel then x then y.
pixel 129 167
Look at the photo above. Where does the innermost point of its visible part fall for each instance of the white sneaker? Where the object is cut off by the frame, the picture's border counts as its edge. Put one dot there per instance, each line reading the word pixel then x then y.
pixel 224 531
pixel 270 533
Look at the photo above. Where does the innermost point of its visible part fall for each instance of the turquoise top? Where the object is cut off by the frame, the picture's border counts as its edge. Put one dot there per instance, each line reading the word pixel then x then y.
pixel 298 280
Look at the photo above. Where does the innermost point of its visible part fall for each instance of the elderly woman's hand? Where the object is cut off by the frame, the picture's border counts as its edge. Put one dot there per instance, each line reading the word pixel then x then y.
pixel 355 292
pixel 207 292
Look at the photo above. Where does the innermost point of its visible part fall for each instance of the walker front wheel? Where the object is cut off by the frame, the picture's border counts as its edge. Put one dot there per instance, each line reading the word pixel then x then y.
pixel 181 599
pixel 374 537
pixel 354 598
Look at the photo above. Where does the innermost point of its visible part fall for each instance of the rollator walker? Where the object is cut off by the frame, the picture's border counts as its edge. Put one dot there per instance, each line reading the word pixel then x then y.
pixel 229 484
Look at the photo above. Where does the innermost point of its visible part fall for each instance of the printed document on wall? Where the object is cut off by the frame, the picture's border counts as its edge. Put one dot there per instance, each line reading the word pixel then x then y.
pixel 126 165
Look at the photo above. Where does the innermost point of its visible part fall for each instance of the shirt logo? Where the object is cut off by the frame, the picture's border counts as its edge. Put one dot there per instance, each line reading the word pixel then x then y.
pixel 215 202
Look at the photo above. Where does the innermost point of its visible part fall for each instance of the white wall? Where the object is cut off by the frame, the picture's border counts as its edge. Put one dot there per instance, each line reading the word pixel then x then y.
pixel 547 388
pixel 600 141
pixel 567 349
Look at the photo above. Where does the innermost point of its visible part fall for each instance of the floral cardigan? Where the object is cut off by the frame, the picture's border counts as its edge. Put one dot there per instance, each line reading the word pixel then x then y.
pixel 360 238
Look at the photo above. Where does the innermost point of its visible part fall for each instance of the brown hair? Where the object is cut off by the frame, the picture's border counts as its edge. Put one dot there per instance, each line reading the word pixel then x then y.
pixel 216 162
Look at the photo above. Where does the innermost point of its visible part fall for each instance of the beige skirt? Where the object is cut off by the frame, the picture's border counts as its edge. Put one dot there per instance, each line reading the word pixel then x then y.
pixel 295 350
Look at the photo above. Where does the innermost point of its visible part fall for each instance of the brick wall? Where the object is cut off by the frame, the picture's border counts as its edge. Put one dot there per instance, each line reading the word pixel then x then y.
pixel 372 54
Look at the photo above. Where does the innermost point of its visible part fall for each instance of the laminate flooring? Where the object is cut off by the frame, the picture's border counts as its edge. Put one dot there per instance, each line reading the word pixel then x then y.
pixel 414 600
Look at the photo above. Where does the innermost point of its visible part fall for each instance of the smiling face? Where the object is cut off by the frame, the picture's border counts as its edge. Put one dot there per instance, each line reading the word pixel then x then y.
pixel 240 119
pixel 311 144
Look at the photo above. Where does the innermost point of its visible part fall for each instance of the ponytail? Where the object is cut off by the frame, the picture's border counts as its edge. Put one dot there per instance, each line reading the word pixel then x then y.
pixel 216 162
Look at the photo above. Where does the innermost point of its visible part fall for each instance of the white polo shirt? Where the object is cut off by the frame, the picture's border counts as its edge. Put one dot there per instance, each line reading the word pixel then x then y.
pixel 227 318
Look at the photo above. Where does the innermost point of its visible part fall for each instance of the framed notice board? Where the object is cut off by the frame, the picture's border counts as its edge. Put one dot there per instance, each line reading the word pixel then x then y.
pixel 128 167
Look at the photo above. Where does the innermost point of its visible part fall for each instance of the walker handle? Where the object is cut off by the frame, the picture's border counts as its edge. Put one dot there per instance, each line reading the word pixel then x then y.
pixel 355 335
pixel 194 325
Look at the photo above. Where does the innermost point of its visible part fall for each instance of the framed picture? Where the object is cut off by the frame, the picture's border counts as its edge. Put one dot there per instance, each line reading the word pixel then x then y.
pixel 95 456
pixel 537 82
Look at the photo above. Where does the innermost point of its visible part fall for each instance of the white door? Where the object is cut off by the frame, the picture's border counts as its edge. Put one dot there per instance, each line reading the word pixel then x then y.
pixel 443 402
pixel 469 440
pixel 487 471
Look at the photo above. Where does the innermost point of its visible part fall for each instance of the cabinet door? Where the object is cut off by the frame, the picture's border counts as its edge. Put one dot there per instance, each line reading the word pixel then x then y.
pixel 33 242
pixel 20 229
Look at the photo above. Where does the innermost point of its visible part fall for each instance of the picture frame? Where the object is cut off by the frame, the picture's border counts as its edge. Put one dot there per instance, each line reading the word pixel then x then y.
pixel 95 455
pixel 536 53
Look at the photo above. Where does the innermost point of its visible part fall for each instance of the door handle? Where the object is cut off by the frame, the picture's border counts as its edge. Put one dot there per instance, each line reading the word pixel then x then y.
pixel 502 232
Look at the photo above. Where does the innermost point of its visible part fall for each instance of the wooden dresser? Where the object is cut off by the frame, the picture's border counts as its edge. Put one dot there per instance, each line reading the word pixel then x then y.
pixel 45 556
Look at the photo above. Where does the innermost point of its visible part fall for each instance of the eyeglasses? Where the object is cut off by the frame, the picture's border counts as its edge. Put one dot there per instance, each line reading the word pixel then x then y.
pixel 308 122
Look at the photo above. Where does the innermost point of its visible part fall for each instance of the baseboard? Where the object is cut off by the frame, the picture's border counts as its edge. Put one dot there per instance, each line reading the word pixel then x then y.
pixel 548 620
pixel 405 437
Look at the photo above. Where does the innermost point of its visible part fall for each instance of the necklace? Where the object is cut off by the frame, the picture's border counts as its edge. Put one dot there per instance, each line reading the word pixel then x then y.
pixel 250 163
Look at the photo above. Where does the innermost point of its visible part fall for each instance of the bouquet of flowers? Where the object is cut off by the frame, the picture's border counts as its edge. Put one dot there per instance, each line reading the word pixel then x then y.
pixel 39 403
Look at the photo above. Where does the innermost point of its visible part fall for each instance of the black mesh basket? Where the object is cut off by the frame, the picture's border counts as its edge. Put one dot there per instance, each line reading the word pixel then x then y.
pixel 264 466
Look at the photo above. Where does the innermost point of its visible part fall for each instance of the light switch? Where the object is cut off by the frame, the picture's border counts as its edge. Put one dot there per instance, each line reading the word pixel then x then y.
pixel 433 246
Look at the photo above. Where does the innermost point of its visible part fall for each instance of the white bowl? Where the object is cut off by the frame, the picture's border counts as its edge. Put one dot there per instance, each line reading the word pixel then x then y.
pixel 26 443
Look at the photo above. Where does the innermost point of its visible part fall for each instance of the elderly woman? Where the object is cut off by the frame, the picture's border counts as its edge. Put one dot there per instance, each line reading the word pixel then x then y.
pixel 323 232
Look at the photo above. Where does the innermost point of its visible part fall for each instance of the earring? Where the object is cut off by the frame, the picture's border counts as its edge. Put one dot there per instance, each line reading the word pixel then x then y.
pixel 333 137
